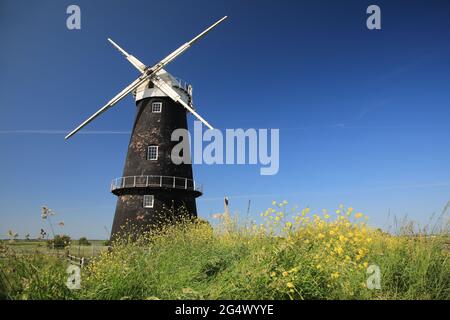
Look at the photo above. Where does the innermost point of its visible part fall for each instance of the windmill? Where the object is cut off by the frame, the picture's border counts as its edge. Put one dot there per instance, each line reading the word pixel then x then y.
pixel 151 183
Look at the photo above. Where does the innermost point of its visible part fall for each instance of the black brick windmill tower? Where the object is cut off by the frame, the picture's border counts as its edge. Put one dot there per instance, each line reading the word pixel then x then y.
pixel 152 185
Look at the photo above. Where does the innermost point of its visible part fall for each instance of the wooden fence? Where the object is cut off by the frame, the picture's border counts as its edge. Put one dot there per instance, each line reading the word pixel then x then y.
pixel 80 262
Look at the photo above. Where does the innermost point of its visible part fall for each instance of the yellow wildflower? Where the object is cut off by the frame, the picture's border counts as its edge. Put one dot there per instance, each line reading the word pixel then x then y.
pixel 335 275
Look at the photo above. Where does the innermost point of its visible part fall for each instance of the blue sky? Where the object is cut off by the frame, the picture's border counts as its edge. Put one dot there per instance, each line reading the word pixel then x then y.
pixel 363 115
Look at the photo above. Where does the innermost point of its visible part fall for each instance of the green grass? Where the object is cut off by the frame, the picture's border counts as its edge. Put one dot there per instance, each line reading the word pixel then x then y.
pixel 310 259
pixel 40 246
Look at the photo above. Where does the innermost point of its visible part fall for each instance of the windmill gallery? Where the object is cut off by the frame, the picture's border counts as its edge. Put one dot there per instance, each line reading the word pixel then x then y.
pixel 152 180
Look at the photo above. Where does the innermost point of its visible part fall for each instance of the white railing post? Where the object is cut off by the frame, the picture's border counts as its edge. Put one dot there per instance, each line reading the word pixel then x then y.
pixel 194 183
pixel 146 182
pixel 174 182
pixel 185 183
pixel 160 181
pixel 134 181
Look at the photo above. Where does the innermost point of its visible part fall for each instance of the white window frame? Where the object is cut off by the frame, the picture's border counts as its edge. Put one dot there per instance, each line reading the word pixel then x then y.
pixel 148 152
pixel 148 201
pixel 156 104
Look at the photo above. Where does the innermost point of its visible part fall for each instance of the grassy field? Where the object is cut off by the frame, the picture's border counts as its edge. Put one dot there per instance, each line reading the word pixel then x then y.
pixel 40 246
pixel 292 255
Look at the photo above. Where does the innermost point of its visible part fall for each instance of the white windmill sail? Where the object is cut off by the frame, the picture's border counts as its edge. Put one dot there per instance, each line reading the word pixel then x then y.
pixel 152 74
pixel 160 83
pixel 183 48
pixel 167 89
pixel 133 60
pixel 136 83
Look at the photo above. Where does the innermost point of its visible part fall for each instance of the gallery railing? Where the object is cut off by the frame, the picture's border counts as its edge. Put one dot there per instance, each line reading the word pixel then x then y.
pixel 155 181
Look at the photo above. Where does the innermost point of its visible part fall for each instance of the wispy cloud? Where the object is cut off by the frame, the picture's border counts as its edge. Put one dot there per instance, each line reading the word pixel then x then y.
pixel 386 187
pixel 247 196
pixel 61 132
pixel 366 109
pixel 341 126
pixel 418 185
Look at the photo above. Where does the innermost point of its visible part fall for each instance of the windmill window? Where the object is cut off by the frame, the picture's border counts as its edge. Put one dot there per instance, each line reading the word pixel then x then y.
pixel 152 153
pixel 149 201
pixel 156 107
